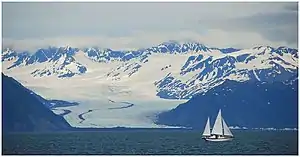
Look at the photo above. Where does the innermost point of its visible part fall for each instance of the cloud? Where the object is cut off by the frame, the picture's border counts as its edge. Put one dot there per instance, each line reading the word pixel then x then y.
pixel 141 39
pixel 136 25
pixel 277 27
pixel 292 7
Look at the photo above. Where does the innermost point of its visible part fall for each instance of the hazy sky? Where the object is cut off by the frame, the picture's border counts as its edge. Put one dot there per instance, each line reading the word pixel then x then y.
pixel 137 25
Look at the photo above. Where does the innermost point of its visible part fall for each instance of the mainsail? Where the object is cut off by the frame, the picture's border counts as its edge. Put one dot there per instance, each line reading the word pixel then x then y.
pixel 218 128
pixel 207 129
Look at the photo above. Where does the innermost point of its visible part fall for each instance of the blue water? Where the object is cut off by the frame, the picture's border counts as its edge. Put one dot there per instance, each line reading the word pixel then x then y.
pixel 187 142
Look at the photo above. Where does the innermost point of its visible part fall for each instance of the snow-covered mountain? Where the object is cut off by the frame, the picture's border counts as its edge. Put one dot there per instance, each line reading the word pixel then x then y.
pixel 107 55
pixel 173 47
pixel 8 55
pixel 204 72
pixel 175 70
pixel 51 61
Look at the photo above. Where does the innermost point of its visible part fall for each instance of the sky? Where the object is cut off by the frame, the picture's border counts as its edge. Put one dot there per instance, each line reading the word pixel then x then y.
pixel 120 26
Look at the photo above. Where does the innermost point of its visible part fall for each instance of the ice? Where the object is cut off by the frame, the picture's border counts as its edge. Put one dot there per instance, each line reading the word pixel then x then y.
pixel 93 91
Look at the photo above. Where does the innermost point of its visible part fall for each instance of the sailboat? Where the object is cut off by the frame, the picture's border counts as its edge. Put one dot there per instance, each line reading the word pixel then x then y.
pixel 220 131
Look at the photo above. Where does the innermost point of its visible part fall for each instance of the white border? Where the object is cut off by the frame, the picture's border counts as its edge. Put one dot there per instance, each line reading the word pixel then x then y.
pixel 4 1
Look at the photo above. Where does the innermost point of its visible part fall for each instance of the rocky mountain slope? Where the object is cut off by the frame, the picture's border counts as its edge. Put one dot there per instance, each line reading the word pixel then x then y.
pixel 23 110
pixel 251 104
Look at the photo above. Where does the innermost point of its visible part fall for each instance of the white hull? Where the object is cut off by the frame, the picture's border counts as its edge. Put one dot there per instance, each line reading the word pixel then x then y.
pixel 218 139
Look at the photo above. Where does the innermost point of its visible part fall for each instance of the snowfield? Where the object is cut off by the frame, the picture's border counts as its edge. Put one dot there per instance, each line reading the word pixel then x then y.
pixel 103 102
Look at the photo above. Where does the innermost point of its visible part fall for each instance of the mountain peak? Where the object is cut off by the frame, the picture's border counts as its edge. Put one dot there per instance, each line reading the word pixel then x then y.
pixel 67 48
pixel 170 42
pixel 180 43
pixel 7 50
pixel 173 46
pixel 262 47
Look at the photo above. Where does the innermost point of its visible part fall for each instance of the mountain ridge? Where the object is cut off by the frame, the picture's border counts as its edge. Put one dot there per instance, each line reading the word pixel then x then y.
pixel 203 67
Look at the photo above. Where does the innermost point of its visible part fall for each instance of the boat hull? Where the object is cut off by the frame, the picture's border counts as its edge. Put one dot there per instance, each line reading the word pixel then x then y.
pixel 218 139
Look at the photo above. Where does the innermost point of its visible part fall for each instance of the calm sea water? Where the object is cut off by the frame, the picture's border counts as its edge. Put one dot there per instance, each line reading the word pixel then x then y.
pixel 149 142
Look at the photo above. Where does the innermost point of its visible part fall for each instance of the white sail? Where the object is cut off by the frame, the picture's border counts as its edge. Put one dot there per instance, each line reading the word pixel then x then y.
pixel 207 128
pixel 227 131
pixel 218 129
